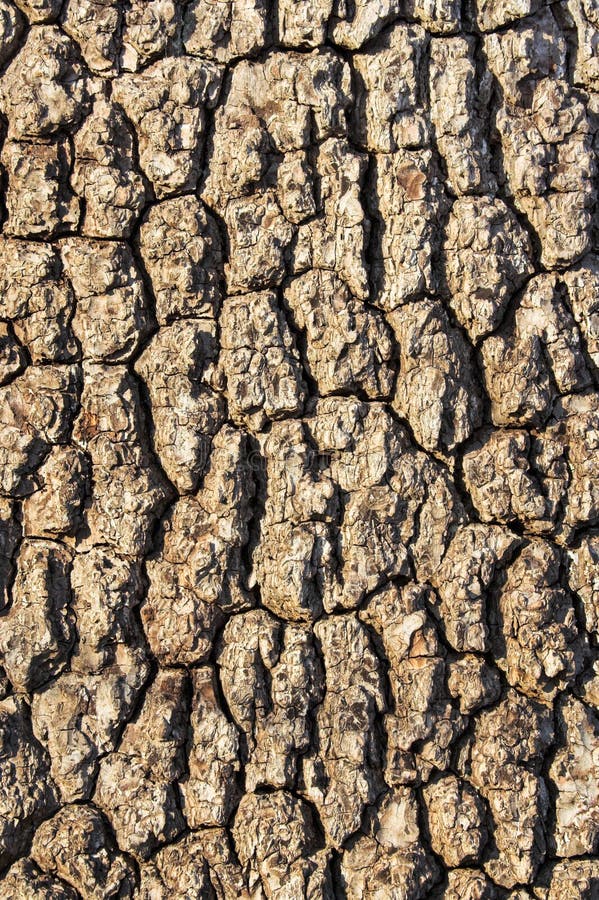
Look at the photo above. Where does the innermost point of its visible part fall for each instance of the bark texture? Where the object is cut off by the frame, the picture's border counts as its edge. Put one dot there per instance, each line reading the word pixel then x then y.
pixel 299 449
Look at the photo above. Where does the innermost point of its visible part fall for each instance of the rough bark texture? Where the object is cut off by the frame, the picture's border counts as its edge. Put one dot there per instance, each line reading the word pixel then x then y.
pixel 299 449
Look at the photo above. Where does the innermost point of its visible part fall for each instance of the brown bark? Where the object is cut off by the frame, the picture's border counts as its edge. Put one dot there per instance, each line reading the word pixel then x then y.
pixel 299 441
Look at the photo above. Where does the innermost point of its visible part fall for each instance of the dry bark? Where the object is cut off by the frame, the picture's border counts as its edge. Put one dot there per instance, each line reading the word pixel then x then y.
pixel 299 442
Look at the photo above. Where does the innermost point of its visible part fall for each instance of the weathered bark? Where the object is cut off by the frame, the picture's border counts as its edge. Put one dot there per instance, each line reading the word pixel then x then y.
pixel 299 449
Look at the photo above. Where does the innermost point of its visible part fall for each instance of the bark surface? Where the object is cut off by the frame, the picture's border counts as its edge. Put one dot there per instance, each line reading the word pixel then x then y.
pixel 299 449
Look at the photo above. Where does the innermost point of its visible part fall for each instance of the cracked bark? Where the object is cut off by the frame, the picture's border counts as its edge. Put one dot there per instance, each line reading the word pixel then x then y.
pixel 299 417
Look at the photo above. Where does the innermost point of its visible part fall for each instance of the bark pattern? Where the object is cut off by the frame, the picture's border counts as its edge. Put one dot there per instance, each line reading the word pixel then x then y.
pixel 299 441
